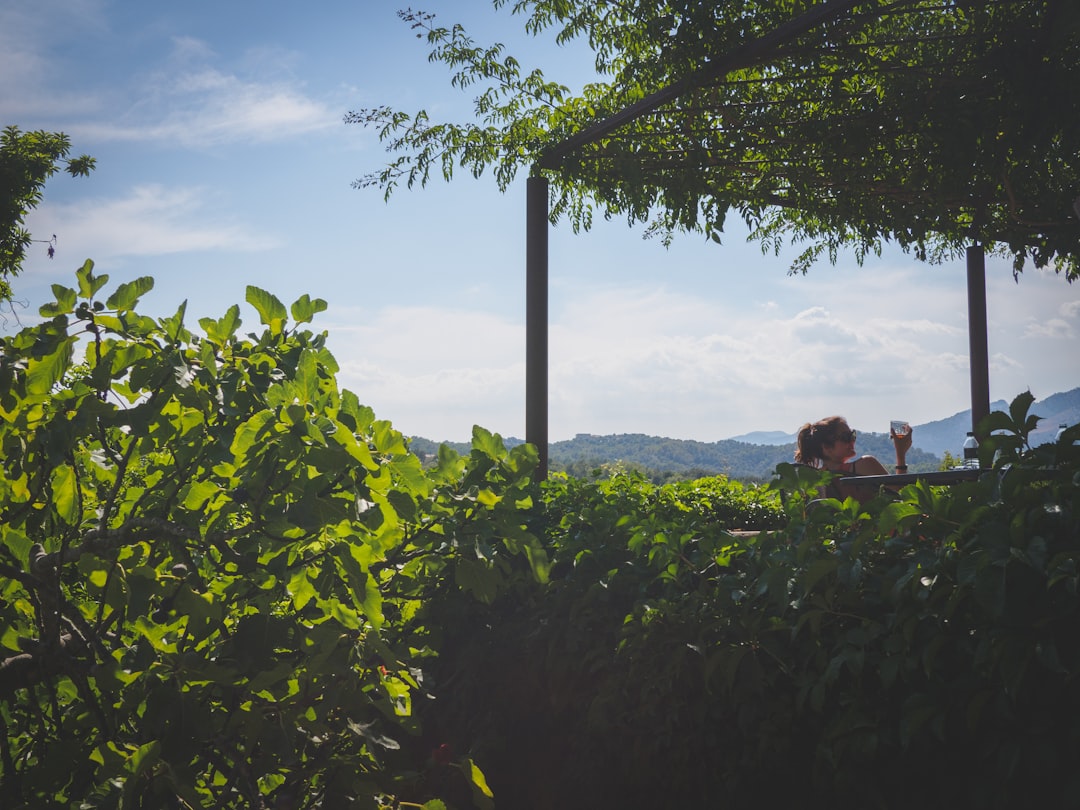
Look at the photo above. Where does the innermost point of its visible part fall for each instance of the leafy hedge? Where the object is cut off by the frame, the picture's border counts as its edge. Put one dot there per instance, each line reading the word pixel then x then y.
pixel 919 652
pixel 225 583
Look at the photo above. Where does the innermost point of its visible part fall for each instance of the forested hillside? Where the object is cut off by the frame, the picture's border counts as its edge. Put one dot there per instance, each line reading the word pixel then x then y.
pixel 751 462
pixel 756 462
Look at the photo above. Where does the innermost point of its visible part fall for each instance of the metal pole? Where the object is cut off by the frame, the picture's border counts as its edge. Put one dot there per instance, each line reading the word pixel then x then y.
pixel 979 356
pixel 536 319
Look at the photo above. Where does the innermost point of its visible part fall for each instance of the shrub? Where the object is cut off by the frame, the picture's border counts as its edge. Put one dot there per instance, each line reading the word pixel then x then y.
pixel 919 651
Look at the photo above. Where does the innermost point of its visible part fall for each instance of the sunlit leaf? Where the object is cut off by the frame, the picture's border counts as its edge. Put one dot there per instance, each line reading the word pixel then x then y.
pixel 65 494
pixel 272 312
pixel 127 295
pixel 305 308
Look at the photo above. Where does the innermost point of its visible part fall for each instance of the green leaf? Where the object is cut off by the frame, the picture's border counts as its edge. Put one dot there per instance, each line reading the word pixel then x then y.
pixel 307 378
pixel 65 301
pixel 127 295
pixel 488 443
pixel 1019 407
pixel 818 570
pixel 371 602
pixel 538 562
pixel 357 450
pixel 252 432
pixel 345 615
pixel 145 757
pixel 487 497
pixel 482 795
pixel 65 494
pixel 222 331
pixel 46 372
pixel 300 588
pixel 304 308
pixel 199 493
pixel 479 579
pixel 271 311
pixel 89 284
pixel 173 326
pixel 895 514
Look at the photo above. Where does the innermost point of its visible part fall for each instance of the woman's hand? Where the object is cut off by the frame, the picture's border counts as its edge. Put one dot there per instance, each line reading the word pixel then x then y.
pixel 902 443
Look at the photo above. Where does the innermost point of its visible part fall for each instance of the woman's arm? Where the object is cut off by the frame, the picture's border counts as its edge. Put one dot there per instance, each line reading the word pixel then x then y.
pixel 868 465
pixel 902 443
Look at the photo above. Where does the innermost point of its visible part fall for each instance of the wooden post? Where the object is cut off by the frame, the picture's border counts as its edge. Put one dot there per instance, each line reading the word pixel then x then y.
pixel 536 319
pixel 977 342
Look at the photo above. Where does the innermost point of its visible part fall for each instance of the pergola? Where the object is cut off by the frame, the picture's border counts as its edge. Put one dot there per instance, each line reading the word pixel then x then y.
pixel 866 119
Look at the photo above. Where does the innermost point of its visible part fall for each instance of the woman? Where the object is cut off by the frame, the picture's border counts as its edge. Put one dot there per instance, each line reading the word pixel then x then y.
pixel 830 445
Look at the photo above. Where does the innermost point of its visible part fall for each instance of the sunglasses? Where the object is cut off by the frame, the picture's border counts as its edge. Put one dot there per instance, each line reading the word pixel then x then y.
pixel 845 436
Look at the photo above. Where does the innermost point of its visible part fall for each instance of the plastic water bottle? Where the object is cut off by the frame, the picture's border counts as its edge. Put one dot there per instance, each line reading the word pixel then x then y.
pixel 971 451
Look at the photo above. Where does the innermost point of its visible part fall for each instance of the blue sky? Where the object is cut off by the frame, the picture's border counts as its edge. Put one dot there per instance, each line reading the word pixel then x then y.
pixel 223 161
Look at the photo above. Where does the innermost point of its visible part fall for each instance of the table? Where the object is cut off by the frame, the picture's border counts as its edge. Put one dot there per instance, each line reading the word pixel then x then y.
pixel 936 478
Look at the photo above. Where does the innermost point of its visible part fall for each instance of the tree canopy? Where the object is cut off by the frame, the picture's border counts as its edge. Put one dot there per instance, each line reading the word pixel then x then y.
pixel 27 160
pixel 850 123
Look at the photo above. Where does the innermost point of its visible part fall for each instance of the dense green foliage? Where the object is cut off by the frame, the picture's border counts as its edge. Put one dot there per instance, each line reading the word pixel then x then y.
pixel 209 553
pixel 224 582
pixel 922 651
pixel 924 124
pixel 27 160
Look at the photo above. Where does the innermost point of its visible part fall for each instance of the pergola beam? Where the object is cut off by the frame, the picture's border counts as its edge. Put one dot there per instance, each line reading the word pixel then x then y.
pixel 741 57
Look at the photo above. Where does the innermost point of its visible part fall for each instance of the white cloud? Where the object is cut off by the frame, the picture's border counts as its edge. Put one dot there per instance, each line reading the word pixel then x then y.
pixel 1054 328
pixel 188 98
pixel 188 50
pixel 208 107
pixel 444 370
pixel 151 220
pixel 623 359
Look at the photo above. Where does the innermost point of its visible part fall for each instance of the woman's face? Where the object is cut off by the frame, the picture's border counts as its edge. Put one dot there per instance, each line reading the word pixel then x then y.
pixel 842 447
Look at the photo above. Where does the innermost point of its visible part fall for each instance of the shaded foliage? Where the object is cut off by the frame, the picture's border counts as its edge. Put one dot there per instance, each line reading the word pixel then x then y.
pixel 922 124
pixel 919 651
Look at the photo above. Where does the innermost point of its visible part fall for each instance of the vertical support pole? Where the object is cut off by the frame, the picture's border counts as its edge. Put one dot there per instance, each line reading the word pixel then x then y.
pixel 536 319
pixel 979 355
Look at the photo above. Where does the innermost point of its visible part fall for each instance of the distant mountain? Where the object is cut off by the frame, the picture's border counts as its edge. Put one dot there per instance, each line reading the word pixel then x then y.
pixel 1056 410
pixel 764 437
pixel 948 434
pixel 755 455
pixel 733 458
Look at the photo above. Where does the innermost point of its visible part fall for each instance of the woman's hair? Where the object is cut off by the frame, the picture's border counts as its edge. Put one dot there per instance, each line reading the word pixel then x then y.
pixel 813 437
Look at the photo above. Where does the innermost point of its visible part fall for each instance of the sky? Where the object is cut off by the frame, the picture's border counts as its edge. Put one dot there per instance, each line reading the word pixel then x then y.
pixel 223 161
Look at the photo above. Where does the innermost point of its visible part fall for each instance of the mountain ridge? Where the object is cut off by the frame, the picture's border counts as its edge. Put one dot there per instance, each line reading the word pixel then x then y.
pixel 756 460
